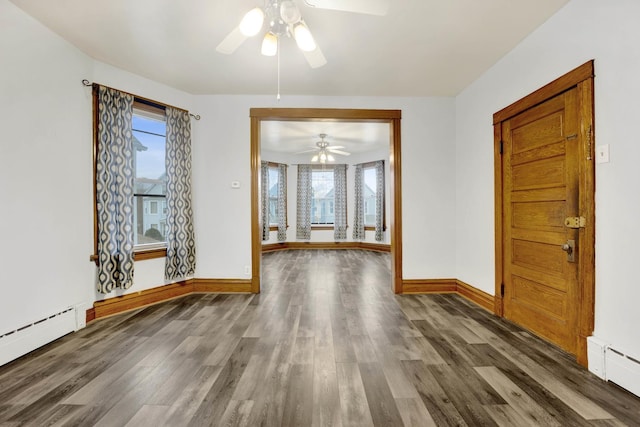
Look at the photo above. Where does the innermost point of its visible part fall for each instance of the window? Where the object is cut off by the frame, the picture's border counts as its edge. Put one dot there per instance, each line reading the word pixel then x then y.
pixel 277 172
pixel 273 195
pixel 369 195
pixel 150 212
pixel 322 201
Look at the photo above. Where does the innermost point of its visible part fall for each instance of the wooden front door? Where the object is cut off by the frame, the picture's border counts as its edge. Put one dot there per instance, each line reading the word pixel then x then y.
pixel 545 215
pixel 540 191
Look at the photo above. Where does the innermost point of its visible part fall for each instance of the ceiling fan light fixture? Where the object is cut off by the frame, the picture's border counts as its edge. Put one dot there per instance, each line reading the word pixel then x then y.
pixel 252 22
pixel 289 12
pixel 270 44
pixel 303 37
pixel 314 159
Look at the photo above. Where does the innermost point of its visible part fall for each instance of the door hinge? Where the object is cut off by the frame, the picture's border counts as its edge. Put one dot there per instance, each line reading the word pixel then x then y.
pixel 502 289
pixel 501 147
pixel 575 222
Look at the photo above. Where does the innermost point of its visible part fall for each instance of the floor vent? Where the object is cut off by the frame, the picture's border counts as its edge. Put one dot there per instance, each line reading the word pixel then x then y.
pixel 21 341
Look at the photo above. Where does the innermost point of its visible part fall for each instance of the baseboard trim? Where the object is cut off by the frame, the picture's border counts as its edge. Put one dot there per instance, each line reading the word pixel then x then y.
pixel 283 246
pixel 115 305
pixel 449 286
pixel 221 285
pixel 475 295
pixel 429 286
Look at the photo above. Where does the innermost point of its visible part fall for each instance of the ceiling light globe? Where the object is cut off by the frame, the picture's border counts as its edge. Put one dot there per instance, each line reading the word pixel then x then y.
pixel 330 158
pixel 251 24
pixel 303 37
pixel 289 12
pixel 314 159
pixel 270 44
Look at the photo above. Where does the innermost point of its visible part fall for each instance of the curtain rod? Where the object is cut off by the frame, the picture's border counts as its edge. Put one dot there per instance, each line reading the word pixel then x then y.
pixel 87 83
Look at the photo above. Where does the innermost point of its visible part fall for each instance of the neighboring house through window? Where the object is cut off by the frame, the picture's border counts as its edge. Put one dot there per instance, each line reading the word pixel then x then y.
pixel 322 201
pixel 150 205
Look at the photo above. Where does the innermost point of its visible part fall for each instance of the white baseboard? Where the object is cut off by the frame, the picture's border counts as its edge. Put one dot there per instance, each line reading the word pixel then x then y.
pixel 14 344
pixel 614 364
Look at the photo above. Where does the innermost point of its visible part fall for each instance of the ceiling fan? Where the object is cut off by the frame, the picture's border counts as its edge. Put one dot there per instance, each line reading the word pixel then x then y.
pixel 324 151
pixel 283 19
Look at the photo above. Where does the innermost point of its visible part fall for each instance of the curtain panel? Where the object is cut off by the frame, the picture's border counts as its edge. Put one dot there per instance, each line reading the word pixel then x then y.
pixel 379 231
pixel 303 203
pixel 264 199
pixel 358 218
pixel 282 202
pixel 181 248
pixel 340 202
pixel 114 190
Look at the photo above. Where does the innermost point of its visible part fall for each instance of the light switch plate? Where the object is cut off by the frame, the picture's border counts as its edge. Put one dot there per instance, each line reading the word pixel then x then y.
pixel 602 153
pixel 235 184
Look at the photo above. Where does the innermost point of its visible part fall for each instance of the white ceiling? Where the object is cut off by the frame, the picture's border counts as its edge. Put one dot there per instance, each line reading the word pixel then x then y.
pixel 294 136
pixel 420 48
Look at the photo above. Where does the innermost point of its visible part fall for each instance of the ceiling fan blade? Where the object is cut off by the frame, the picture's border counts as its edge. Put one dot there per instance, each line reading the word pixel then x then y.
pixel 343 153
pixel 335 146
pixel 315 58
pixel 370 7
pixel 233 41
pixel 306 151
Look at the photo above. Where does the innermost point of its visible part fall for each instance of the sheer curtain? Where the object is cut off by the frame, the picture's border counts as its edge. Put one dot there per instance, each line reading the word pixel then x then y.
pixel 282 202
pixel 379 165
pixel 114 190
pixel 358 218
pixel 303 203
pixel 264 199
pixel 340 202
pixel 181 248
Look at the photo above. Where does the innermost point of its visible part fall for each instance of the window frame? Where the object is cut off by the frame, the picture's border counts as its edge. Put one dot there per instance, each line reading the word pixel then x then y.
pixel 324 168
pixel 372 165
pixel 276 165
pixel 140 252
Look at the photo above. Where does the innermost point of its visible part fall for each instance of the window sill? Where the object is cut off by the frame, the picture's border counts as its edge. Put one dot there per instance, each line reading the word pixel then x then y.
pixel 322 227
pixel 373 227
pixel 142 255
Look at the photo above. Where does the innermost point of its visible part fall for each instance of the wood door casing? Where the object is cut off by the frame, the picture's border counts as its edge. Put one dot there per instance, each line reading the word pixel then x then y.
pixel 554 178
pixel 540 190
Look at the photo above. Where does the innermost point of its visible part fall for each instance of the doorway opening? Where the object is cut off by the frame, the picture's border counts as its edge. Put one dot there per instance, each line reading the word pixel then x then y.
pixel 391 117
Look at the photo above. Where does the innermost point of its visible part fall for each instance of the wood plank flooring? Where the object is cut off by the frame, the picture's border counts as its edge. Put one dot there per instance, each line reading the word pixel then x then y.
pixel 326 343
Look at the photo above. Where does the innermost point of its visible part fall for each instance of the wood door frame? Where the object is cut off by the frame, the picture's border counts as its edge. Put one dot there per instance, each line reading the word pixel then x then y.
pixel 582 79
pixel 392 117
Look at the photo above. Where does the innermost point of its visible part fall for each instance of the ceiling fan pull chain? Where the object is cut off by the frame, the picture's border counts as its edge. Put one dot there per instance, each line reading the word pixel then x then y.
pixel 278 96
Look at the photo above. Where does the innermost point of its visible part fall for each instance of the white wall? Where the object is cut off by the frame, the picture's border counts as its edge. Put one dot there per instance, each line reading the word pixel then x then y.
pixel 46 219
pixel 221 155
pixel 584 29
pixel 46 174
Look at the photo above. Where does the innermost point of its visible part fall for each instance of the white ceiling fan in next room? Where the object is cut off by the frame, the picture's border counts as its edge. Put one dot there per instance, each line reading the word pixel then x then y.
pixel 282 18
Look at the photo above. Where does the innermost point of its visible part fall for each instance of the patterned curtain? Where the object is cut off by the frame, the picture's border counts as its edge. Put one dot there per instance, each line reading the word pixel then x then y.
pixel 282 203
pixel 303 203
pixel 340 202
pixel 358 219
pixel 379 200
pixel 181 246
pixel 264 199
pixel 114 190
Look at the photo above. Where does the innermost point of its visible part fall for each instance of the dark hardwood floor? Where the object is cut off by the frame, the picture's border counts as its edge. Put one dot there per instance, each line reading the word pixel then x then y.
pixel 325 343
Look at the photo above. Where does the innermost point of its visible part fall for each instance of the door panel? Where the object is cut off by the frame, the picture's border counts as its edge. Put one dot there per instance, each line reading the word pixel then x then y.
pixel 540 189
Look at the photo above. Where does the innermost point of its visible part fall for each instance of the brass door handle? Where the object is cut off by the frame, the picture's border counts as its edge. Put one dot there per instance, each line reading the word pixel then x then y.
pixel 569 248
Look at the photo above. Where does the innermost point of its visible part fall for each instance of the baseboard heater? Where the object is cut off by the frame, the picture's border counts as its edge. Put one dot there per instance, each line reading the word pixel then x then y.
pixel 613 364
pixel 21 341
